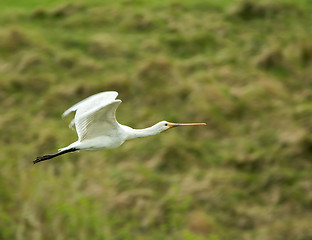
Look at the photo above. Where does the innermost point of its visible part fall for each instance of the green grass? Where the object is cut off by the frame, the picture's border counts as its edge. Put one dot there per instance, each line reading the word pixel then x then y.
pixel 244 67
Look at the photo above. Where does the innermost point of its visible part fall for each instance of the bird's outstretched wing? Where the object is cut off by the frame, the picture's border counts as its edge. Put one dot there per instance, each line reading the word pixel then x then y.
pixel 91 102
pixel 97 121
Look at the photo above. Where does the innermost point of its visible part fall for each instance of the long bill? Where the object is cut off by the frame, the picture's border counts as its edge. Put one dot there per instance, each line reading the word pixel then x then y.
pixel 171 125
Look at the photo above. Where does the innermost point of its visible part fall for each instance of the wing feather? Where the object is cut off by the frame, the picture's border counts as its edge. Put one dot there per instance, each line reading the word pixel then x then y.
pixel 91 102
pixel 98 121
pixel 94 100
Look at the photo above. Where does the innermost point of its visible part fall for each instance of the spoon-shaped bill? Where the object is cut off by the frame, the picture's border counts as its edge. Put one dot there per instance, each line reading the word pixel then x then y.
pixel 185 124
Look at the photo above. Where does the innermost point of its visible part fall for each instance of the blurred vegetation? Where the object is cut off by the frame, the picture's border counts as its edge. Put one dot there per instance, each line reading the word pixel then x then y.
pixel 244 67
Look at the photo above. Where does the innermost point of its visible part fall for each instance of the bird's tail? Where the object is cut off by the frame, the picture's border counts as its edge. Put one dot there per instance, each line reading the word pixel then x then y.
pixel 74 145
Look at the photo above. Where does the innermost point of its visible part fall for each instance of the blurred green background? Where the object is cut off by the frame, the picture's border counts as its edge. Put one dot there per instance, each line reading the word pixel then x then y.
pixel 244 67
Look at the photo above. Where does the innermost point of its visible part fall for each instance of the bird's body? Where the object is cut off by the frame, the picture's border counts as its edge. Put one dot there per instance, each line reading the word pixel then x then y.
pixel 98 129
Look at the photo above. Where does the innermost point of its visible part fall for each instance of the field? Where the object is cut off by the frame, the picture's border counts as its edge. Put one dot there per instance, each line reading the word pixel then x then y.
pixel 243 67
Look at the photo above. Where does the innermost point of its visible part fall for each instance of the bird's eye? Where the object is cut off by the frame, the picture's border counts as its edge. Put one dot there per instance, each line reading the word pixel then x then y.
pixel 166 124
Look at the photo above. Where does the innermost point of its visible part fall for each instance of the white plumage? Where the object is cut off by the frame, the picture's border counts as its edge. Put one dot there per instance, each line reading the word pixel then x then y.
pixel 97 127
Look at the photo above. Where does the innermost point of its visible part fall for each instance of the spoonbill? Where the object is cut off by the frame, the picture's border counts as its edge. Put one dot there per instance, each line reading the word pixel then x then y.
pixel 97 127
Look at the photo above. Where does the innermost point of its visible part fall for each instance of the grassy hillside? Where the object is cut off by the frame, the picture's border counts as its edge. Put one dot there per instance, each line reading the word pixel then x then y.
pixel 244 67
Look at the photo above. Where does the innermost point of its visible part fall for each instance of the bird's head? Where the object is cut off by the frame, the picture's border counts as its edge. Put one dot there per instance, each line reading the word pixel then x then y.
pixel 164 125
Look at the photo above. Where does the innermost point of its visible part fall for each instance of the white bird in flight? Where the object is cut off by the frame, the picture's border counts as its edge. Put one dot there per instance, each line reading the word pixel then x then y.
pixel 98 129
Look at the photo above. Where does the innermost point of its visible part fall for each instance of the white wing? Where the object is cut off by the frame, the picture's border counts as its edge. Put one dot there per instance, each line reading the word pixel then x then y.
pixel 91 102
pixel 97 121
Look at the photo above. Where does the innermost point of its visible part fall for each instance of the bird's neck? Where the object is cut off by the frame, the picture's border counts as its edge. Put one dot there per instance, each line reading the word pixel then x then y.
pixel 145 132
